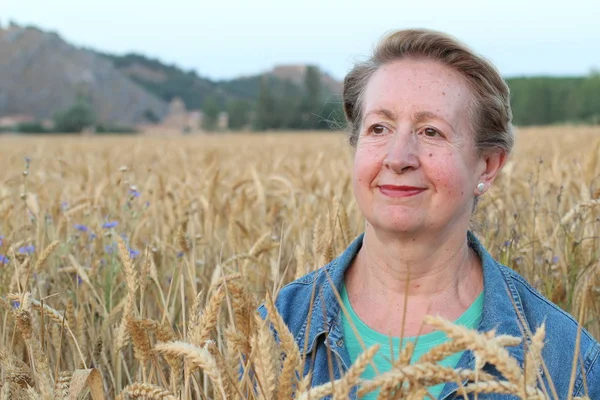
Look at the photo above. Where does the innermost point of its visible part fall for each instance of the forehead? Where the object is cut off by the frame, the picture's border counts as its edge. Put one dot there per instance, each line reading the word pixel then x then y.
pixel 412 86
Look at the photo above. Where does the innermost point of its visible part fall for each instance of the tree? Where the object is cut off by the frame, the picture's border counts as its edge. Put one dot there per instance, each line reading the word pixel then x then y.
pixel 311 104
pixel 288 106
pixel 73 120
pixel 210 109
pixel 266 108
pixel 239 114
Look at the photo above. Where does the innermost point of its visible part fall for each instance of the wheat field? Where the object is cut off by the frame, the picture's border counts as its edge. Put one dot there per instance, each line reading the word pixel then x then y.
pixel 133 266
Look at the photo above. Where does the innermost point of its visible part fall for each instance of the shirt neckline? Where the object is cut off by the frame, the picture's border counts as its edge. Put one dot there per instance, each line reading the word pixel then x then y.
pixel 470 318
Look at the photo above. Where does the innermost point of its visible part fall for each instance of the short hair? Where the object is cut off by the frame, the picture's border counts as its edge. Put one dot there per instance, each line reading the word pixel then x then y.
pixel 490 116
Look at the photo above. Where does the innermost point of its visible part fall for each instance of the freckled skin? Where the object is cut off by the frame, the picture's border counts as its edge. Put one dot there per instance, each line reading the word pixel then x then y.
pixel 437 154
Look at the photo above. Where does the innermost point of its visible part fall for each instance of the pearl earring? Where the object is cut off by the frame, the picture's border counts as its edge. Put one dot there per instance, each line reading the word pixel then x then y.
pixel 481 186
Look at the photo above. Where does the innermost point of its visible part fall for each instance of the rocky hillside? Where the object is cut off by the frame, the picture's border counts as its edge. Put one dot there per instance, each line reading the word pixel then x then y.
pixel 41 74
pixel 169 81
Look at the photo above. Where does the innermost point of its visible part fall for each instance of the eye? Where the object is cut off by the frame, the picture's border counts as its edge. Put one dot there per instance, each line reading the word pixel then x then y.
pixel 430 132
pixel 377 129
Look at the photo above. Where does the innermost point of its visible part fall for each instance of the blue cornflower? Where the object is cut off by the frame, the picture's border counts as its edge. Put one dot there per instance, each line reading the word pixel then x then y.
pixel 64 205
pixel 109 248
pixel 507 243
pixel 134 193
pixel 29 249
pixel 4 259
pixel 147 204
pixel 81 228
pixel 111 224
pixel 555 260
pixel 16 304
pixel 133 253
pixel 93 236
pixel 180 254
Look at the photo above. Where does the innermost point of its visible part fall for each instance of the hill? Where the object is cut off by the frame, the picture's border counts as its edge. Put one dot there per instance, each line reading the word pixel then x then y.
pixel 168 81
pixel 41 75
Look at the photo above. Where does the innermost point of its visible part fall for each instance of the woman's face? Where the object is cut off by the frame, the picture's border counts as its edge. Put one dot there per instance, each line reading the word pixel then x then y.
pixel 416 167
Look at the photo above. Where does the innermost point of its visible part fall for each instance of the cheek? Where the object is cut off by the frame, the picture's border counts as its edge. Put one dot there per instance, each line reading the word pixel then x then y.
pixel 450 178
pixel 366 165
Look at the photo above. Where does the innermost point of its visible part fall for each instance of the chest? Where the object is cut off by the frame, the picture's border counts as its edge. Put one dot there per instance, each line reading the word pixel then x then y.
pixel 330 361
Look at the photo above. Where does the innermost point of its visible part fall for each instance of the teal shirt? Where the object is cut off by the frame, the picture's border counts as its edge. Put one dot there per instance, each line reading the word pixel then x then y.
pixel 391 349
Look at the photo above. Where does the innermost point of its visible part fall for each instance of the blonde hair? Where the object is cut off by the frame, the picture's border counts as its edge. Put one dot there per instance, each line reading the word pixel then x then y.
pixel 491 115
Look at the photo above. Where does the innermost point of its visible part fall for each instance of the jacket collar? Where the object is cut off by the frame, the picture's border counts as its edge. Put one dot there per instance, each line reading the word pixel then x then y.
pixel 502 306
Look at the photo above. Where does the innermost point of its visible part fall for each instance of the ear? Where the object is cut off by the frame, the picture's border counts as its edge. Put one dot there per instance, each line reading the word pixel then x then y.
pixel 491 163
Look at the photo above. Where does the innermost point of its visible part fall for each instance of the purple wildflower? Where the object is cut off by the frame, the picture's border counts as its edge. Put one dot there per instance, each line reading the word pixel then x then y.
pixel 81 228
pixel 555 260
pixel 29 249
pixel 133 253
pixel 147 204
pixel 109 248
pixel 111 224
pixel 180 254
pixel 507 243
pixel 16 304
pixel 134 193
pixel 92 236
pixel 4 259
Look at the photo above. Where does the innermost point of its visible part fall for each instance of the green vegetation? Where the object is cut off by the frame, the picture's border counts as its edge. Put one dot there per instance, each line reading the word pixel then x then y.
pixel 80 116
pixel 267 102
pixel 273 103
pixel 553 100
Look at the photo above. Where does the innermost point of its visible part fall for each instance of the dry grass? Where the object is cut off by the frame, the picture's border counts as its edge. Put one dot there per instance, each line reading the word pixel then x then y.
pixel 154 307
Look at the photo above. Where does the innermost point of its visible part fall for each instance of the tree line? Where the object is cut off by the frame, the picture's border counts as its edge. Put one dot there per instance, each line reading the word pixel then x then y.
pixel 280 105
pixel 283 105
pixel 535 101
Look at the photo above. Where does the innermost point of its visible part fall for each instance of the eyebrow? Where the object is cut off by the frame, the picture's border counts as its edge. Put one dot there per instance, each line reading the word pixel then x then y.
pixel 384 112
pixel 425 115
pixel 418 117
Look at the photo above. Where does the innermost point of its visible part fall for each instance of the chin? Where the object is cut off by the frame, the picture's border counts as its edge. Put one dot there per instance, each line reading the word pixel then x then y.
pixel 399 225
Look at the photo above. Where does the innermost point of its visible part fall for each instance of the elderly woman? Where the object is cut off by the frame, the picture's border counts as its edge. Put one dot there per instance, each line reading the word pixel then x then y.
pixel 431 124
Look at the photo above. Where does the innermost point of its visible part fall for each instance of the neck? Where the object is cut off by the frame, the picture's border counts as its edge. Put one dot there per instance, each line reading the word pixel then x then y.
pixel 425 266
pixel 413 265
pixel 428 274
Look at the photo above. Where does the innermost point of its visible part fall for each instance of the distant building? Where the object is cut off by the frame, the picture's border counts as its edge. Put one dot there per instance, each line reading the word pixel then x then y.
pixel 223 121
pixel 180 119
pixel 14 120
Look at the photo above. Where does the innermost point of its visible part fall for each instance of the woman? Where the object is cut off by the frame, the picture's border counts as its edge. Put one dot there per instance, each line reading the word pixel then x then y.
pixel 431 123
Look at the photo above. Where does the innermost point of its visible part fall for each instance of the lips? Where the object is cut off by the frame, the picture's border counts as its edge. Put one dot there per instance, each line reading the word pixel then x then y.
pixel 400 191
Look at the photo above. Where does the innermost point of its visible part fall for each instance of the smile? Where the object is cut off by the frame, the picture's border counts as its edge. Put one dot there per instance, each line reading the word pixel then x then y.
pixel 400 191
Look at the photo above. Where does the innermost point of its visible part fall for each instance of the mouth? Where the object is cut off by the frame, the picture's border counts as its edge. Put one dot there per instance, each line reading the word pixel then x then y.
pixel 400 191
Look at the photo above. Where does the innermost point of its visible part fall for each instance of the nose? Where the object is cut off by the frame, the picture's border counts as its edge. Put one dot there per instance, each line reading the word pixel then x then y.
pixel 402 153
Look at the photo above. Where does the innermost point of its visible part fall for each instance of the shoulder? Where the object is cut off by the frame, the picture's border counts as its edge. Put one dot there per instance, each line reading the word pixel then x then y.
pixel 563 334
pixel 296 299
pixel 314 291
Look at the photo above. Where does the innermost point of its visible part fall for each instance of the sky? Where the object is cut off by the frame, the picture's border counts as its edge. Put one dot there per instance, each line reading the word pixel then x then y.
pixel 223 39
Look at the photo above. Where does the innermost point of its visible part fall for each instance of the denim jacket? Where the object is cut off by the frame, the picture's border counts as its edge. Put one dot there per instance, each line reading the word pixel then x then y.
pixel 320 335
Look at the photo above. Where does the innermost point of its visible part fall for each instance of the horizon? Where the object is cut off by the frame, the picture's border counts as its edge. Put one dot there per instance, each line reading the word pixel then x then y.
pixel 557 42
